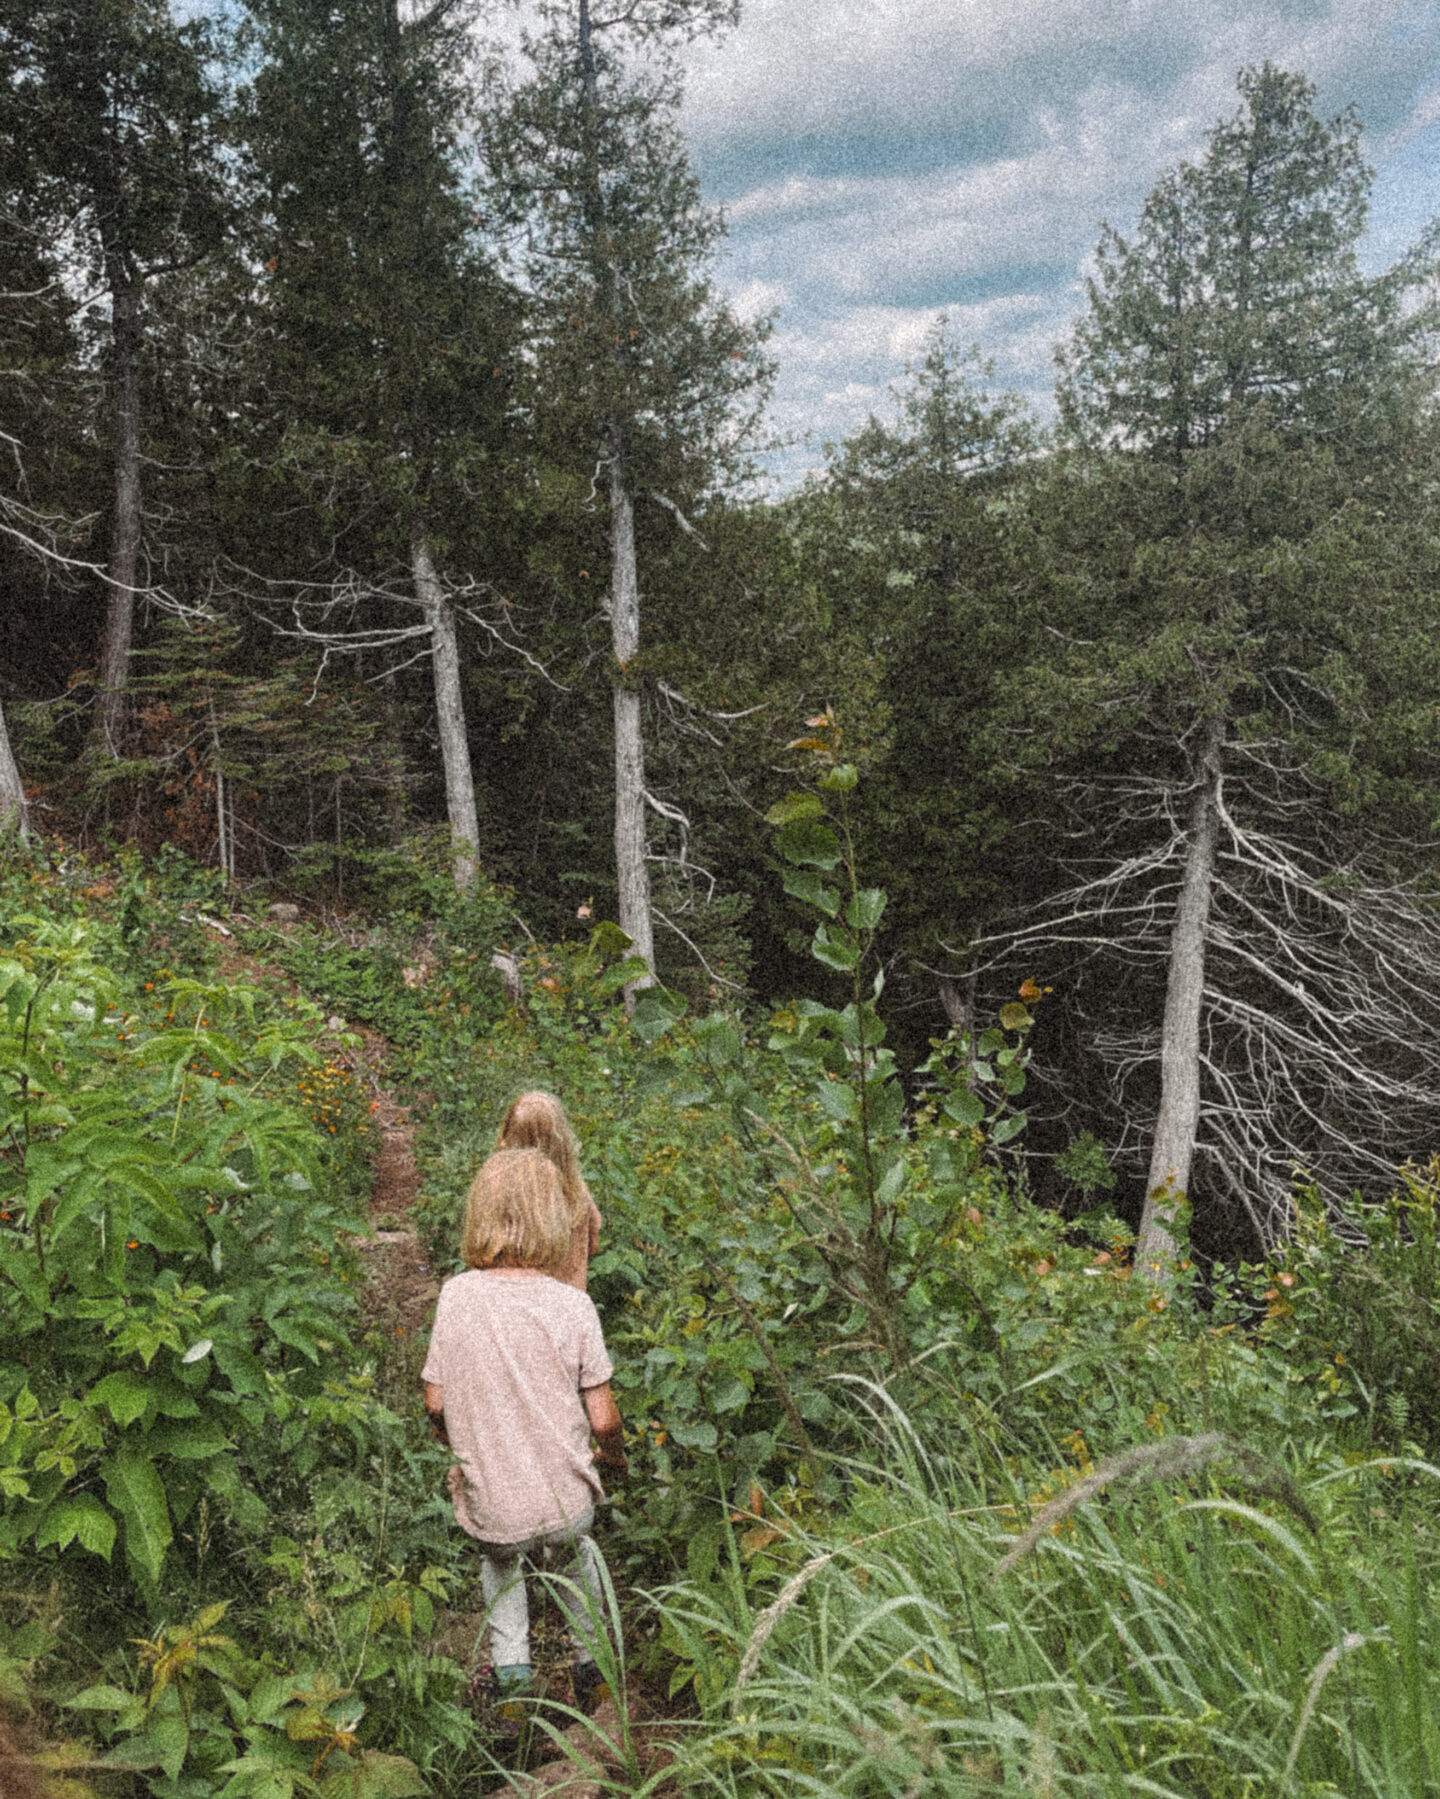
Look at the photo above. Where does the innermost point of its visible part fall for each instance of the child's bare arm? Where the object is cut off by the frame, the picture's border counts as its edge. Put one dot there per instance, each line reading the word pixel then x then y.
pixel 605 1421
pixel 435 1406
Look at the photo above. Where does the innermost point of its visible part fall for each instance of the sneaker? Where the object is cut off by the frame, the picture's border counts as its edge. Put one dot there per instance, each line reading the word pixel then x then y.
pixel 500 1699
pixel 589 1687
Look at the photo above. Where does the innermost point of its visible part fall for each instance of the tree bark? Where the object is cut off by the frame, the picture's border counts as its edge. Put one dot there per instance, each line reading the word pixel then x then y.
pixel 1179 1114
pixel 632 869
pixel 124 562
pixel 14 814
pixel 449 717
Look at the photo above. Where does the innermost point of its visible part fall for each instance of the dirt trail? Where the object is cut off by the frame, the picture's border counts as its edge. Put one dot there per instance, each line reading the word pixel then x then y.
pixel 400 1289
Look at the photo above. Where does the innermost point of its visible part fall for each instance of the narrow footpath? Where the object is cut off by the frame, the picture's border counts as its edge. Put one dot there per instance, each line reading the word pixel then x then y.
pixel 398 1301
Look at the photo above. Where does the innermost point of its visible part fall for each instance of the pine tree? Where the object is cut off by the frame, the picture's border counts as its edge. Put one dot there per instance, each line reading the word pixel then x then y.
pixel 392 377
pixel 642 370
pixel 113 112
pixel 1241 292
pixel 1208 679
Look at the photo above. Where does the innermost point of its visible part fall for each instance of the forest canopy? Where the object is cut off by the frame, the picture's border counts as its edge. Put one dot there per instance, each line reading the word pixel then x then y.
pixel 978 910
pixel 381 471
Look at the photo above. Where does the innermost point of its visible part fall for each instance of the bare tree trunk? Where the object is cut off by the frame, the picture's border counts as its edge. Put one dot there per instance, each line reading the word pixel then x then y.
pixel 1179 1114
pixel 632 870
pixel 14 814
pixel 449 716
pixel 124 560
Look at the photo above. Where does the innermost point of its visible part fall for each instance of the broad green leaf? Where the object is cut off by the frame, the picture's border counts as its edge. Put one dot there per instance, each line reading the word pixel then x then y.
pixel 187 1439
pixel 22 1267
pixel 238 1363
pixel 865 909
pixel 101 1699
pixel 794 807
pixel 1014 1016
pixel 728 1394
pixel 79 1194
pixel 377 1777
pixel 965 1107
pixel 136 1491
pixel 287 1330
pixel 109 1147
pixel 607 939
pixel 702 1436
pixel 719 1038
pixel 838 1099
pixel 834 949
pixel 840 779
pixel 125 1395
pixel 270 1693
pixel 633 968
pixel 1009 1127
pixel 162 1745
pixel 656 1010
pixel 805 884
pixel 809 843
pixel 78 1516
pixel 893 1183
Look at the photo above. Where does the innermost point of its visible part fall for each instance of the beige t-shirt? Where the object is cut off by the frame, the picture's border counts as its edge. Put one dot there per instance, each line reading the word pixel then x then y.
pixel 510 1354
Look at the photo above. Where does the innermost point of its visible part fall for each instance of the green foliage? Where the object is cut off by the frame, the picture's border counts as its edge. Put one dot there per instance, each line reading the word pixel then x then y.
pixel 1352 1304
pixel 215 1717
pixel 1241 291
pixel 173 1269
pixel 1210 1627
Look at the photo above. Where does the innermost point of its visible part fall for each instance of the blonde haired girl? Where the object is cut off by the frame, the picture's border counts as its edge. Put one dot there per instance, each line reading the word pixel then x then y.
pixel 517 1379
pixel 537 1121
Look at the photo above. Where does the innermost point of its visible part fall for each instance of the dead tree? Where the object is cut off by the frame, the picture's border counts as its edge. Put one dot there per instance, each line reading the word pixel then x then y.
pixel 331 617
pixel 1301 1029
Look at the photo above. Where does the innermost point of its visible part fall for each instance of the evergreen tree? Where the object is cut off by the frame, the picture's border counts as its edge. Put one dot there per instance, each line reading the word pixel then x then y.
pixel 391 337
pixel 1207 684
pixel 641 369
pixel 1241 290
pixel 112 112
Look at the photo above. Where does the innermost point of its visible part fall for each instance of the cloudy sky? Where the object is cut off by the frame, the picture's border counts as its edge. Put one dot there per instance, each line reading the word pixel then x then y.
pixel 882 161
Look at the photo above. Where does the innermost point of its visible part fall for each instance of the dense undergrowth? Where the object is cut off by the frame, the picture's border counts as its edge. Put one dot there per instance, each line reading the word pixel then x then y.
pixel 856 1362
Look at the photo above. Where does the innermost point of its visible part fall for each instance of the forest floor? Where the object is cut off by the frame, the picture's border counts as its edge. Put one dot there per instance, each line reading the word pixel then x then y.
pixel 581 1760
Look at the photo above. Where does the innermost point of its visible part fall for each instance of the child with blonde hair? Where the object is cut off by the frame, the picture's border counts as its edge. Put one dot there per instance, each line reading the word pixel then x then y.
pixel 537 1121
pixel 516 1380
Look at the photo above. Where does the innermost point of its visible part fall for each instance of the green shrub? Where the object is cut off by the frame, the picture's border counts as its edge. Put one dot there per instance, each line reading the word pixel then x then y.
pixel 174 1281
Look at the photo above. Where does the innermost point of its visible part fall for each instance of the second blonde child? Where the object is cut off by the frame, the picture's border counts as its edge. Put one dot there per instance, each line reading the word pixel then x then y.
pixel 537 1121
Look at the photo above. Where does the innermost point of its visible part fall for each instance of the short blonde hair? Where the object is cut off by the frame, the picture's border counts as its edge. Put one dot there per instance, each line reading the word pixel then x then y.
pixel 515 1213
pixel 537 1121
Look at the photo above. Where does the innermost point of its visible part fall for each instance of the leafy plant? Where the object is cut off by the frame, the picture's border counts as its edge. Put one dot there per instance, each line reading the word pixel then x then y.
pixel 172 1271
pixel 215 1718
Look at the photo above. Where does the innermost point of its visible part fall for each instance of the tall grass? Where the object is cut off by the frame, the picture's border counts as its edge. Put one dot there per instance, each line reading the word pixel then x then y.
pixel 1187 1619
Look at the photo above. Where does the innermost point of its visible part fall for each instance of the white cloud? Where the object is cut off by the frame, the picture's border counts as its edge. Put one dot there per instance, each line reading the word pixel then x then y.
pixel 882 160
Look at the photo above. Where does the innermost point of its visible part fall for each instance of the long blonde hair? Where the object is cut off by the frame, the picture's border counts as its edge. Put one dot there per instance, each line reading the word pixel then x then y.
pixel 515 1213
pixel 537 1121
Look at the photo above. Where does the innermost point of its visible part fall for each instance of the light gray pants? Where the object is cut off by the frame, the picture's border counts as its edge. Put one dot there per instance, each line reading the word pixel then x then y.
pixel 581 1592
